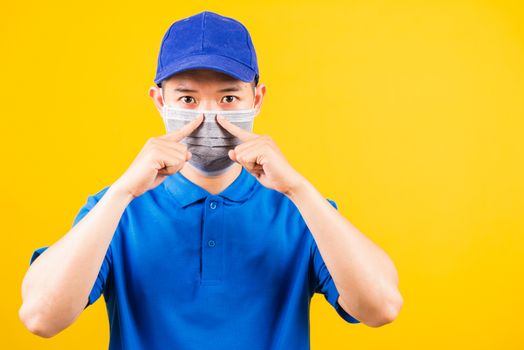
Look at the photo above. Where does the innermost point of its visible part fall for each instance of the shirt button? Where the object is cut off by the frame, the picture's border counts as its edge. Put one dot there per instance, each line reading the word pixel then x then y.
pixel 211 243
pixel 213 205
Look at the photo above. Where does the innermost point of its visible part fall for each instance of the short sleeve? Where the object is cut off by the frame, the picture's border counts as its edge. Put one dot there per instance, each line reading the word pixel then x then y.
pixel 100 282
pixel 323 283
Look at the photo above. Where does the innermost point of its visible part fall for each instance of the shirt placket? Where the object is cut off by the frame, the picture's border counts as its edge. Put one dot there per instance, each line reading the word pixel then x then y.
pixel 212 241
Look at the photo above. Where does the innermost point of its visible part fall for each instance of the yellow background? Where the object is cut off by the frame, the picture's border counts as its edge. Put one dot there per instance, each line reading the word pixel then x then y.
pixel 409 114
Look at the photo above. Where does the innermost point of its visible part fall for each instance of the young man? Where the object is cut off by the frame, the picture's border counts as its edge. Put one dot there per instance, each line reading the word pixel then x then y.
pixel 209 242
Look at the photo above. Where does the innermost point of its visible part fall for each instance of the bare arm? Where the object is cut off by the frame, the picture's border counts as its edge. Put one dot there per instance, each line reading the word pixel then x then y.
pixel 363 273
pixel 57 285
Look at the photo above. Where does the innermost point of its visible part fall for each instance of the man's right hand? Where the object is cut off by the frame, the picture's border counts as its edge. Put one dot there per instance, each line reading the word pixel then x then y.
pixel 160 157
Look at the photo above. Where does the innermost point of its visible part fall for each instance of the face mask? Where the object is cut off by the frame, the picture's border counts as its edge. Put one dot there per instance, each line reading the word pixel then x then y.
pixel 209 143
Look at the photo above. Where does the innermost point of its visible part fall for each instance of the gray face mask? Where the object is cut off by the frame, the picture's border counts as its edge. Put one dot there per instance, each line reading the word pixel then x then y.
pixel 209 143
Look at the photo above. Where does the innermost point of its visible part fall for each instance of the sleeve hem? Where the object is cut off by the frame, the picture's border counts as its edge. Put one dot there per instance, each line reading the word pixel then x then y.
pixel 36 254
pixel 333 300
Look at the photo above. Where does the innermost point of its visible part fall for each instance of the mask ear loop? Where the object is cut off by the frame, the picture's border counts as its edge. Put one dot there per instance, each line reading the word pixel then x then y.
pixel 255 99
pixel 163 103
pixel 162 94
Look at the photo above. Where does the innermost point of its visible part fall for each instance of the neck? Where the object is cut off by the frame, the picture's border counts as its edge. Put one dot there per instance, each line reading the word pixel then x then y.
pixel 212 184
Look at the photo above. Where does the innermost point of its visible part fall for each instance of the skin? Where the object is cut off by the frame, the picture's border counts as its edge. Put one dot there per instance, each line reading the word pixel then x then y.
pixel 56 286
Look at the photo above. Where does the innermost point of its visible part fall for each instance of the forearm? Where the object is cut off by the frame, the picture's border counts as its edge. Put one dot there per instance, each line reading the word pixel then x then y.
pixel 56 286
pixel 363 273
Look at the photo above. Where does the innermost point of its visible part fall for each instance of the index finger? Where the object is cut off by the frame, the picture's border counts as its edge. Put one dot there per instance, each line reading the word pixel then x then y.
pixel 237 131
pixel 184 131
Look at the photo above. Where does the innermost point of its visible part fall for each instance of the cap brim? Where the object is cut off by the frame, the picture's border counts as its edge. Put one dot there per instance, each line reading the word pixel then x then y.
pixel 214 62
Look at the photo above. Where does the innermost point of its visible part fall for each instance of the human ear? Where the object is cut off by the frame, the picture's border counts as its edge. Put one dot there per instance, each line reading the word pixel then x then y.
pixel 260 92
pixel 156 94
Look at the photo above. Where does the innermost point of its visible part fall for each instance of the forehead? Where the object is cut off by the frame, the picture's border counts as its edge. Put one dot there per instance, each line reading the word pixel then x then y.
pixel 204 77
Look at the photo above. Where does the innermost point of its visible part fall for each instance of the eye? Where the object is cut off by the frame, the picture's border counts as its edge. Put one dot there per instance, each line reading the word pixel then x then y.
pixel 187 99
pixel 229 98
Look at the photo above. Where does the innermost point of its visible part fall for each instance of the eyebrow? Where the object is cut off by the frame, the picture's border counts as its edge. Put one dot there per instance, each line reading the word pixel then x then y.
pixel 183 89
pixel 230 89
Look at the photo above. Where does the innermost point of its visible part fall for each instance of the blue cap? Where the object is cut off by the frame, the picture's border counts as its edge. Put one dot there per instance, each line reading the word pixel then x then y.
pixel 208 40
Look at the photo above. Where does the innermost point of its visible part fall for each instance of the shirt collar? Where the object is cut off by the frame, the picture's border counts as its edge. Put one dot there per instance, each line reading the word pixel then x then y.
pixel 187 192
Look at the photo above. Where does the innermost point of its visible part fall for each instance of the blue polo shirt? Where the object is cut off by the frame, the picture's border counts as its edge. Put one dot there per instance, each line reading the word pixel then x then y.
pixel 187 269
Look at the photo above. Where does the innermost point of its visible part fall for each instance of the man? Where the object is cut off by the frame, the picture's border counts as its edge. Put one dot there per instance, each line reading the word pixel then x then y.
pixel 193 251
